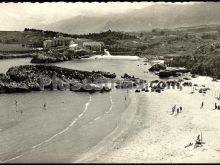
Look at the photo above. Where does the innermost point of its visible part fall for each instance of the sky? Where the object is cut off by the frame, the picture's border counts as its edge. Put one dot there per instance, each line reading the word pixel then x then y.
pixel 17 16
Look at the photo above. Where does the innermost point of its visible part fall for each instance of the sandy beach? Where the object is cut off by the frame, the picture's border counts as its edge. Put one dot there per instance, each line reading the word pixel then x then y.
pixel 158 136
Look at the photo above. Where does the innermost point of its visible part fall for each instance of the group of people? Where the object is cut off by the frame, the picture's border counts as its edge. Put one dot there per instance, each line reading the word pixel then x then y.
pixel 178 110
pixel 217 107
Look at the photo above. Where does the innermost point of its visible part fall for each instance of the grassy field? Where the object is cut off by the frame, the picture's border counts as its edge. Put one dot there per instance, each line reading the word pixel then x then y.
pixel 13 47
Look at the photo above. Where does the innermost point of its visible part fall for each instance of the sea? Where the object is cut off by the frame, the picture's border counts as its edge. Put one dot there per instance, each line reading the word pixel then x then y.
pixel 72 122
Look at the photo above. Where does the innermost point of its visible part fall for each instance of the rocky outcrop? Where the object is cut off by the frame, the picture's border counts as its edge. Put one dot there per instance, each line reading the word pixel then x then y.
pixel 44 58
pixel 28 78
pixel 129 81
pixel 205 65
pixel 7 85
pixel 56 56
pixel 157 67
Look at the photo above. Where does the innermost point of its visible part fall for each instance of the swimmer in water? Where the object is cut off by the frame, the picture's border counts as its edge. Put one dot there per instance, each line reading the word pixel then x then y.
pixel 16 103
pixel 45 106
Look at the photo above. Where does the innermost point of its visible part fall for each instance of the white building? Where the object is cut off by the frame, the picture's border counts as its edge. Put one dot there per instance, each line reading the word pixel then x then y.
pixel 74 46
pixel 94 46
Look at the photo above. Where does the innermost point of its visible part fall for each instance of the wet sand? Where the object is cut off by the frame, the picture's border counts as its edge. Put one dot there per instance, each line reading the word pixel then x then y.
pixel 158 136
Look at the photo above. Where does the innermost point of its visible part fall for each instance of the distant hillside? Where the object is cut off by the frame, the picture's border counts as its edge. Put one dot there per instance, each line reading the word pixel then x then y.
pixel 200 28
pixel 155 16
pixel 20 37
pixel 28 36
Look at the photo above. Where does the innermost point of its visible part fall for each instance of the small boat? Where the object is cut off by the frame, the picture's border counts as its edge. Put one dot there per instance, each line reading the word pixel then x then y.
pixel 137 91
pixel 92 91
pixel 106 89
pixel 156 73
pixel 194 76
pixel 158 90
pixel 187 78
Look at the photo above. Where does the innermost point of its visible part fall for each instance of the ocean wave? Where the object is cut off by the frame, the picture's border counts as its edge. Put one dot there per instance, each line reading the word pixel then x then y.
pixel 111 101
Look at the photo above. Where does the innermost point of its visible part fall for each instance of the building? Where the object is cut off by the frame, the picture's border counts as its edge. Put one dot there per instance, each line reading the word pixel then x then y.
pixel 74 46
pixel 58 42
pixel 80 41
pixel 93 46
pixel 47 43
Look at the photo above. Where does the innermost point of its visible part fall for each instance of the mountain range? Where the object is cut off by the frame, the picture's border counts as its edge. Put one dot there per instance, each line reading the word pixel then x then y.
pixel 165 16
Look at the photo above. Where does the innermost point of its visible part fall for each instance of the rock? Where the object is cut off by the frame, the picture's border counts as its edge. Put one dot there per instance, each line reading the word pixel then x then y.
pixel 39 77
pixel 46 59
pixel 106 89
pixel 15 88
pixel 34 86
pixel 157 67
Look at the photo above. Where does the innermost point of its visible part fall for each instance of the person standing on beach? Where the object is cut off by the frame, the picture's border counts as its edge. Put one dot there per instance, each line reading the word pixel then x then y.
pixel 216 106
pixel 198 140
pixel 45 106
pixel 181 109
pixel 16 103
pixel 202 105
pixel 177 110
pixel 173 109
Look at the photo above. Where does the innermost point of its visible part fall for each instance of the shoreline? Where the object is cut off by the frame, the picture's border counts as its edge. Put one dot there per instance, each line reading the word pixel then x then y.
pixel 152 130
pixel 161 137
pixel 106 143
pixel 115 57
